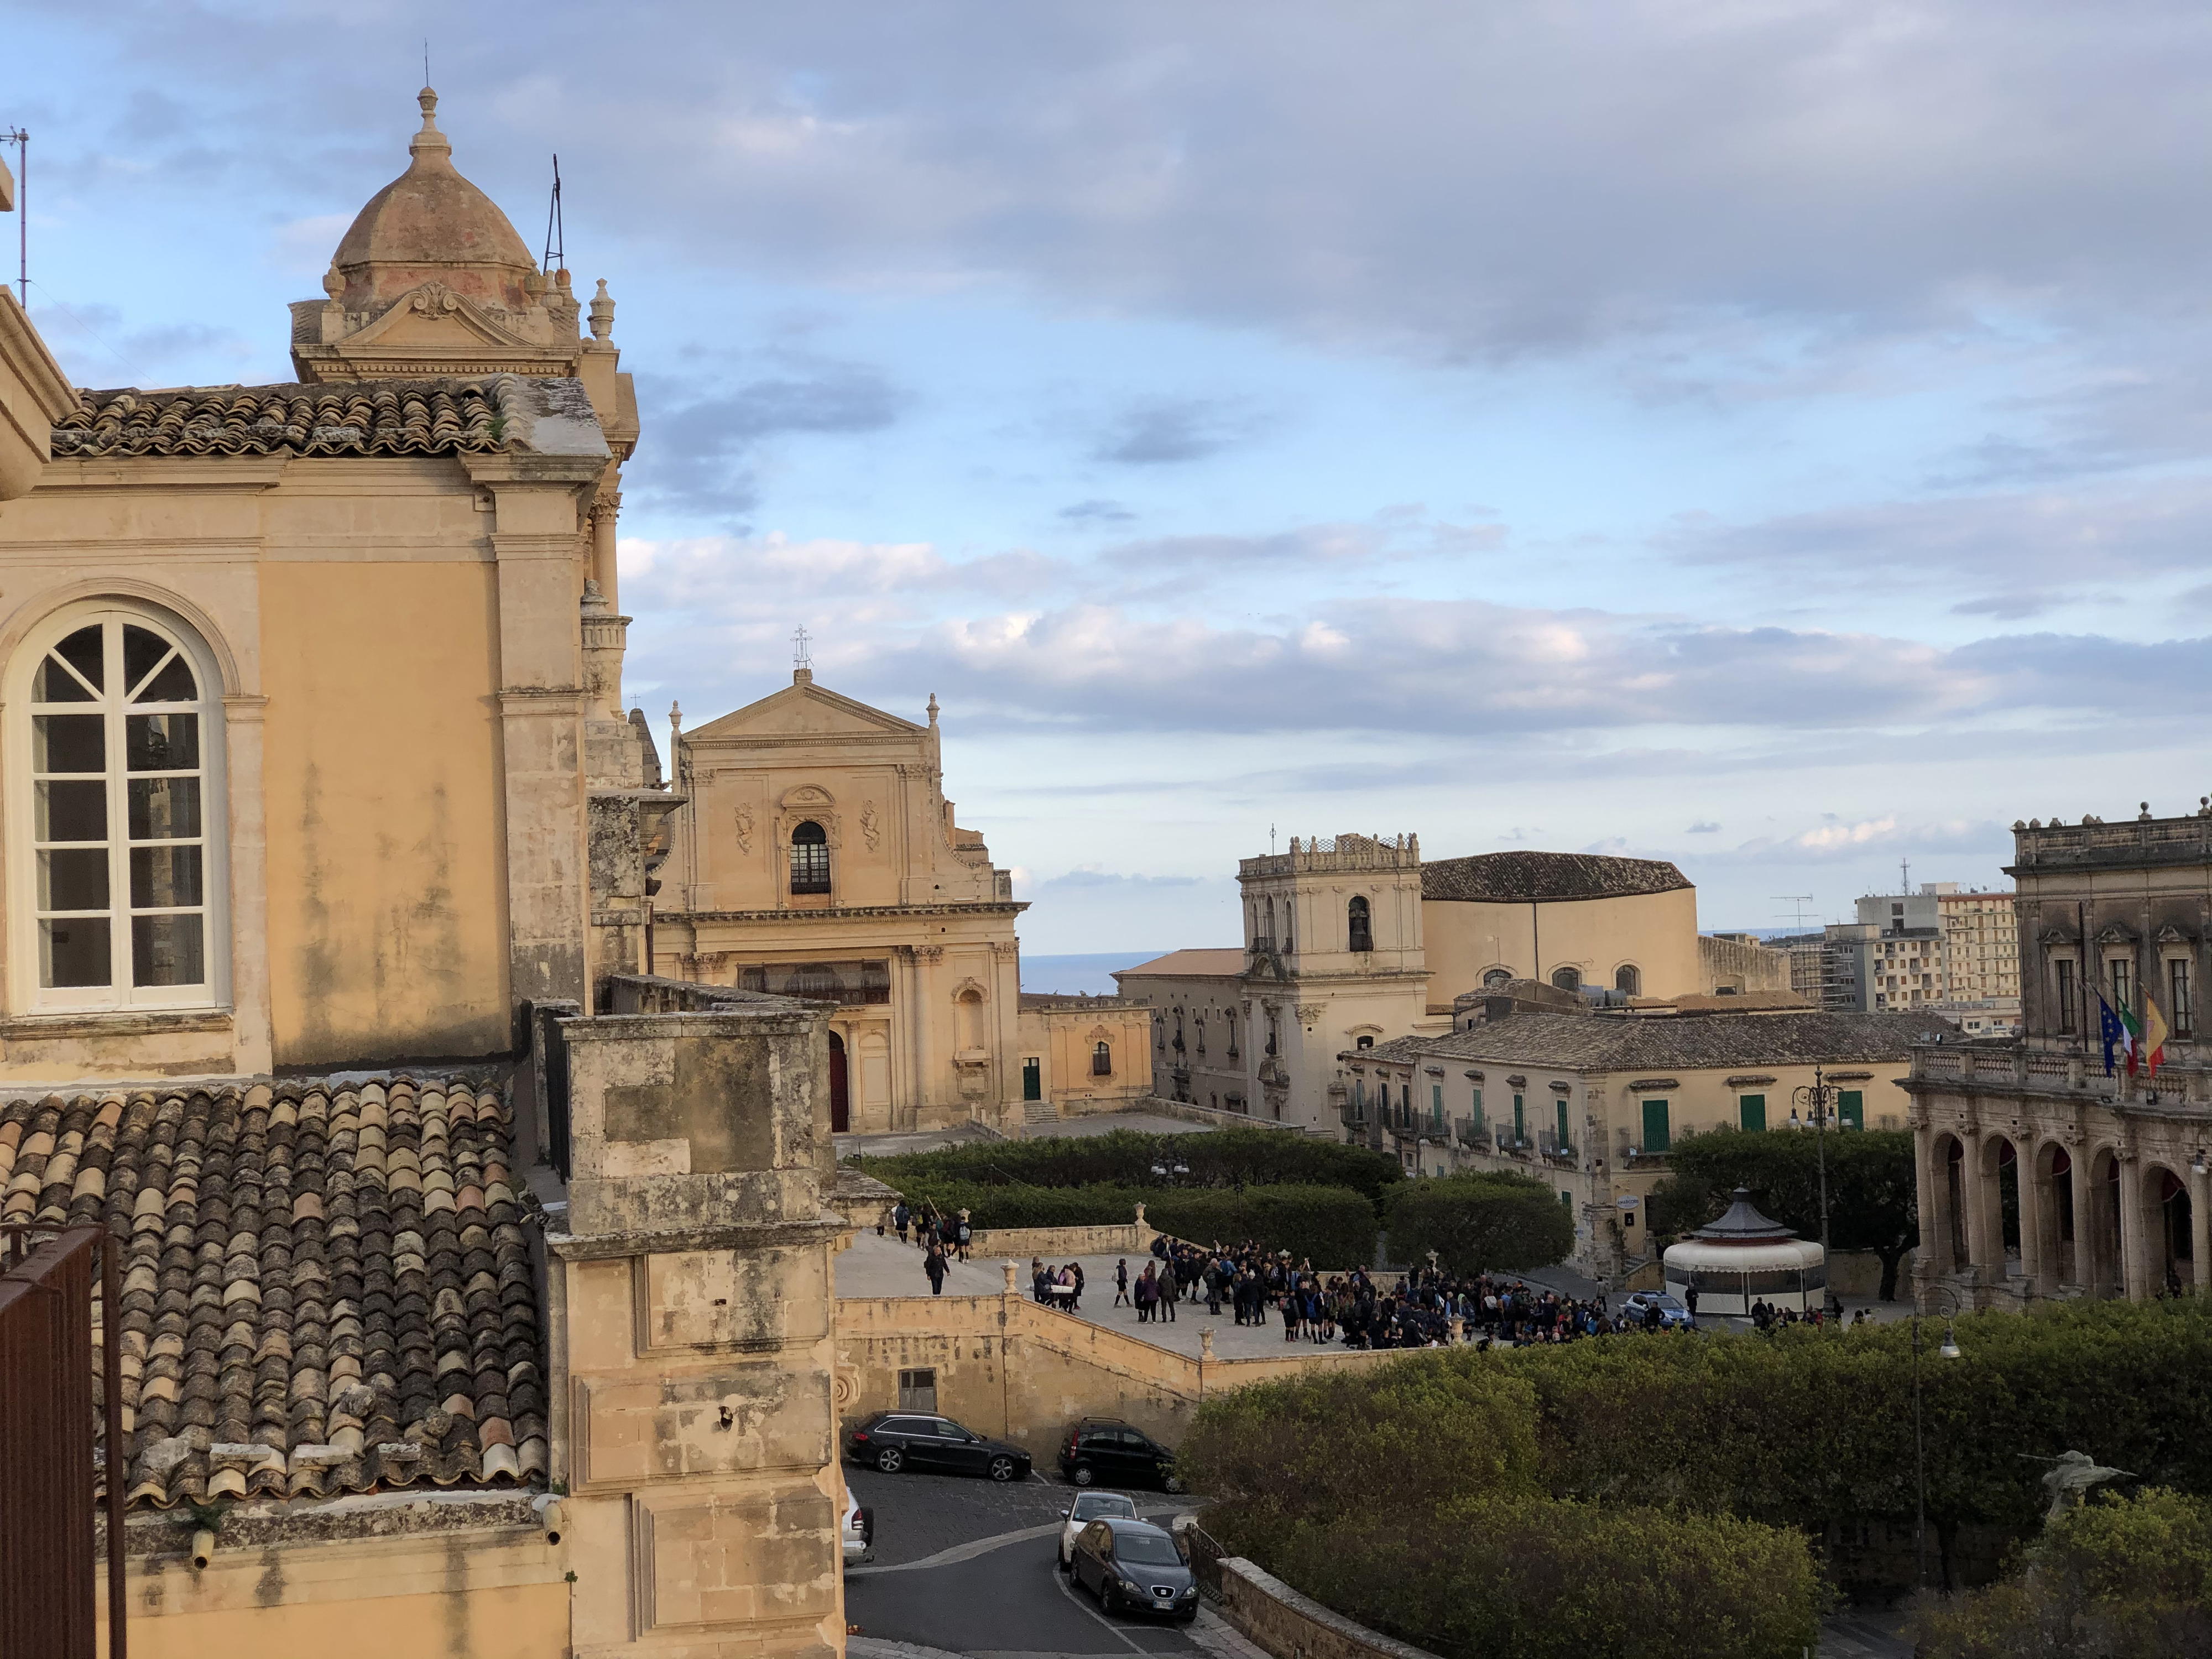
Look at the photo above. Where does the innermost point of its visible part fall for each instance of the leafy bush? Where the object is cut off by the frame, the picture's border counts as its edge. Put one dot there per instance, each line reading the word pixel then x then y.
pixel 1475 1222
pixel 1871 1191
pixel 1539 1578
pixel 1219 1157
pixel 2115 1578
pixel 1334 1226
pixel 1411 1498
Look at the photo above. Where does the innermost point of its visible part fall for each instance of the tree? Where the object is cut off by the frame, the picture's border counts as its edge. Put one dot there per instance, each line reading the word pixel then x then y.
pixel 1872 1194
pixel 1475 1222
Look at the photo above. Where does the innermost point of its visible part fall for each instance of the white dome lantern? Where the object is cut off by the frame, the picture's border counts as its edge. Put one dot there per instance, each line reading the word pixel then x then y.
pixel 1746 1257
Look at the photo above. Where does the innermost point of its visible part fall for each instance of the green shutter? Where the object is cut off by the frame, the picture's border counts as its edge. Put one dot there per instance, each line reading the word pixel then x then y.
pixel 1437 1104
pixel 1567 1199
pixel 1752 1110
pixel 1032 1080
pixel 1478 1111
pixel 1850 1109
pixel 1520 1127
pixel 1656 1139
pixel 1565 1139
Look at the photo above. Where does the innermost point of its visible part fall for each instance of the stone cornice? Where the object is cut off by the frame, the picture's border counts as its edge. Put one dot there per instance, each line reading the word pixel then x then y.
pixel 865 912
pixel 734 1235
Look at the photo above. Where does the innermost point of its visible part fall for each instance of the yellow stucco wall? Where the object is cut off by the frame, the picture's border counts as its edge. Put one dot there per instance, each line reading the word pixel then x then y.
pixel 492 1594
pixel 386 874
pixel 1656 932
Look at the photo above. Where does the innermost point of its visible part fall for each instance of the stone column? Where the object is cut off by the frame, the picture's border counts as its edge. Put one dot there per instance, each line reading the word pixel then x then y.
pixel 1935 1253
pixel 1973 1198
pixel 2031 1218
pixel 2200 1227
pixel 2135 1245
pixel 605 508
pixel 253 1034
pixel 2091 1271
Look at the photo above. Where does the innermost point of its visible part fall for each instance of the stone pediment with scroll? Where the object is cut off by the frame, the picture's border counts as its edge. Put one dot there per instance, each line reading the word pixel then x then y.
pixel 434 316
pixel 799 711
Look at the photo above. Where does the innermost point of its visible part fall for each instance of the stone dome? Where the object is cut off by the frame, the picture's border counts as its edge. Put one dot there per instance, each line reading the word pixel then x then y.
pixel 431 224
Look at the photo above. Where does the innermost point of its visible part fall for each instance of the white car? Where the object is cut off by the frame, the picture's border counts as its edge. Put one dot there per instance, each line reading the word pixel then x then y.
pixel 859 1531
pixel 1090 1506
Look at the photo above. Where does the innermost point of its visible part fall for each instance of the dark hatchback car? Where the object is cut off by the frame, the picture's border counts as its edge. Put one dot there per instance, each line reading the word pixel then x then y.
pixel 1098 1451
pixel 892 1441
pixel 1134 1566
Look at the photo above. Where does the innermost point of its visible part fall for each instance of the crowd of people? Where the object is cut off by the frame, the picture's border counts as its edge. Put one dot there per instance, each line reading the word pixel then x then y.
pixel 1423 1308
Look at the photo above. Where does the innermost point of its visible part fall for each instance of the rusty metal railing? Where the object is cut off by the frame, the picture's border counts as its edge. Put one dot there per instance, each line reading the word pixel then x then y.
pixel 47 1602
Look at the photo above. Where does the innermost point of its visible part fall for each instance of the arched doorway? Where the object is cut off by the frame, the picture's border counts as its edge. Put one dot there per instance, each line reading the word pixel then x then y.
pixel 2001 1196
pixel 2101 1230
pixel 2172 1232
pixel 1951 1198
pixel 2055 1219
pixel 840 1100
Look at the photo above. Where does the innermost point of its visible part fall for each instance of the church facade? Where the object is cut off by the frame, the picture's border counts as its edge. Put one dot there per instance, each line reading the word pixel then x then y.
pixel 817 857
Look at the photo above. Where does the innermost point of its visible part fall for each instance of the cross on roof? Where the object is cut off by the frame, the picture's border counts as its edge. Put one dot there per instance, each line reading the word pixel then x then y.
pixel 801 656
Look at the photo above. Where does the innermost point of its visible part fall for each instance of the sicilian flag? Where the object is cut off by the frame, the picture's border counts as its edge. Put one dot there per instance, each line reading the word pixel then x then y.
pixel 2116 1032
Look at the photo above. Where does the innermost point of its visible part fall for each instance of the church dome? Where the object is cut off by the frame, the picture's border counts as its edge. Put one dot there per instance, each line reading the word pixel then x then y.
pixel 428 224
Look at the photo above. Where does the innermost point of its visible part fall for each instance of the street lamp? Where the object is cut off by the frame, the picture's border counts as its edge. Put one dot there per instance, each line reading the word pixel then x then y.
pixel 1949 1351
pixel 1815 1099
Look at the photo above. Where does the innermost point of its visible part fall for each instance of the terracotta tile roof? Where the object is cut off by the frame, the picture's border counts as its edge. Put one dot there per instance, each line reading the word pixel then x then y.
pixel 327 1290
pixel 448 416
pixel 1519 877
pixel 1662 1042
pixel 1196 963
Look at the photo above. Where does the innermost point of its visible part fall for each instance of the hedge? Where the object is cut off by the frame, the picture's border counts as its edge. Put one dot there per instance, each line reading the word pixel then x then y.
pixel 1219 1157
pixel 2114 1578
pixel 1413 1499
pixel 1476 1222
pixel 1813 1428
pixel 1333 1226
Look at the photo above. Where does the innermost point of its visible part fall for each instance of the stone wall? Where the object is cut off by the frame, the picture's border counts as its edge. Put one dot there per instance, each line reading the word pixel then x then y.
pixel 1005 1367
pixel 1289 1626
pixel 361 1578
pixel 1059 1243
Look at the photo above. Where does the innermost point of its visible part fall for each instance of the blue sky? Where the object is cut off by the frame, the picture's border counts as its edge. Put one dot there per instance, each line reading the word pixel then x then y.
pixel 1769 437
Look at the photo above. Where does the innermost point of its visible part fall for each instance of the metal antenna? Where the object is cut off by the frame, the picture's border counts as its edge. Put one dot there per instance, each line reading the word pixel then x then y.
pixel 1904 877
pixel 556 234
pixel 1798 901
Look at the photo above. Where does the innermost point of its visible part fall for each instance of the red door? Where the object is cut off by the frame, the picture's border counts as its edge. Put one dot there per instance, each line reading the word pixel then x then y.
pixel 841 1107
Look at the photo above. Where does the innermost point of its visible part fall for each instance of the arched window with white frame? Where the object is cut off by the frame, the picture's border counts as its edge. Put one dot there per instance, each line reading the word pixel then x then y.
pixel 118 813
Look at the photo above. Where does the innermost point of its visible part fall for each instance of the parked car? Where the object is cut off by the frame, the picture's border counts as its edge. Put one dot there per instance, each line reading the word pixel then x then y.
pixel 1090 1506
pixel 1134 1566
pixel 1671 1312
pixel 892 1441
pixel 859 1531
pixel 1100 1451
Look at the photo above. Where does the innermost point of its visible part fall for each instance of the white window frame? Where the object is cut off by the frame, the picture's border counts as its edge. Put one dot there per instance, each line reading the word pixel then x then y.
pixel 27 995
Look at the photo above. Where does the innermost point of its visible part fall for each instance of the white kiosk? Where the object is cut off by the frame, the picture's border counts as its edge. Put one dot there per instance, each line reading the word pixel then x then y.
pixel 1744 1258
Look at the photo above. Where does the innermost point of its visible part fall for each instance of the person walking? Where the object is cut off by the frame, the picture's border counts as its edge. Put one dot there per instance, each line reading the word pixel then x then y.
pixel 964 1233
pixel 1121 1283
pixel 900 1216
pixel 934 1265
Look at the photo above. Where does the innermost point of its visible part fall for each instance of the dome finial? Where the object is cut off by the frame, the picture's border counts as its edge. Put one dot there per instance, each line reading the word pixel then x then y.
pixel 429 139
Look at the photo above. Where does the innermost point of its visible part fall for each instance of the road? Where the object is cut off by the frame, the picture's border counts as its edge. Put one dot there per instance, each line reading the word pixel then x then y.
pixel 967 1566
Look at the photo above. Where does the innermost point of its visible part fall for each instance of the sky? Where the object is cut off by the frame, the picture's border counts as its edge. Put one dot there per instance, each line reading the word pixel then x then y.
pixel 1770 437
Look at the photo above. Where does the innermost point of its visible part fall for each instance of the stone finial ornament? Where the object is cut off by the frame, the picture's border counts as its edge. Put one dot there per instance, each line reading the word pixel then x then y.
pixel 603 314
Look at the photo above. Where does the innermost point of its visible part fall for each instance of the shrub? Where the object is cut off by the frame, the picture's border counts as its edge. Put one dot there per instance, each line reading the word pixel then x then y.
pixel 2113 1579
pixel 1475 1222
pixel 1334 1226
pixel 1539 1578
pixel 1219 1157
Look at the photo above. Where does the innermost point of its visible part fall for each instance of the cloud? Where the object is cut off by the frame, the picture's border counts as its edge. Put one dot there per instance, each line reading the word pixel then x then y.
pixel 1096 512
pixel 1837 840
pixel 1162 432
pixel 704 447
pixel 1705 827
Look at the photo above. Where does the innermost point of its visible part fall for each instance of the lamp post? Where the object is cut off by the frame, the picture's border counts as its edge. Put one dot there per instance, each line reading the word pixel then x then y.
pixel 1815 1098
pixel 1949 1351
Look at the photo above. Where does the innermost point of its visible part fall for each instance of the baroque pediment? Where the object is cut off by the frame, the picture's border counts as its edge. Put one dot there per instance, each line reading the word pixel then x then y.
pixel 435 315
pixel 803 710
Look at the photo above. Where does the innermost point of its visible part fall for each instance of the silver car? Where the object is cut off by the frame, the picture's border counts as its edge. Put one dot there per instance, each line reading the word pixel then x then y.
pixel 1090 1506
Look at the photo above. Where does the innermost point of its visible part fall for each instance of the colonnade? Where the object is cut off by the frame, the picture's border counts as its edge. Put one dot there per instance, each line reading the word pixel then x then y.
pixel 2097 1216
